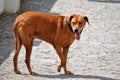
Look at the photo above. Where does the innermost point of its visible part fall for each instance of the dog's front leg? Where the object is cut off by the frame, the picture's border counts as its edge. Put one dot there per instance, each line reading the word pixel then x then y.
pixel 65 53
pixel 62 53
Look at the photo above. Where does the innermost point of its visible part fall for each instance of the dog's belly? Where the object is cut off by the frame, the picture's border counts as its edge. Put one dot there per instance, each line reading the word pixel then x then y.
pixel 61 41
pixel 44 38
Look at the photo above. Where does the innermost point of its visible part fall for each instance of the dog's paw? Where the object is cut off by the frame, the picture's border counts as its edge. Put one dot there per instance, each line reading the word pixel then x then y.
pixel 17 72
pixel 34 73
pixel 59 68
pixel 68 73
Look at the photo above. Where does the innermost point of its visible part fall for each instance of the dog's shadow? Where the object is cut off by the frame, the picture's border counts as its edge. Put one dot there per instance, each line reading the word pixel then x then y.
pixel 63 76
pixel 106 1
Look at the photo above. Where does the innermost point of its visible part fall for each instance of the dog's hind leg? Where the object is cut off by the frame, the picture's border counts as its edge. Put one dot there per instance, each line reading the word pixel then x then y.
pixel 28 55
pixel 28 46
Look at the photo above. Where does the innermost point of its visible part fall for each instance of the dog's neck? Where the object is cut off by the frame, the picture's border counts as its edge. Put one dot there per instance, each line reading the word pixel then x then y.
pixel 68 26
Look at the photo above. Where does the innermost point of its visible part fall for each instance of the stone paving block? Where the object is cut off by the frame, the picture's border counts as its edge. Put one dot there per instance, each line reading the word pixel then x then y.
pixel 95 57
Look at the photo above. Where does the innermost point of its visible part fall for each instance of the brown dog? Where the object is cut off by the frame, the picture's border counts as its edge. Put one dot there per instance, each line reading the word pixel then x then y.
pixel 60 31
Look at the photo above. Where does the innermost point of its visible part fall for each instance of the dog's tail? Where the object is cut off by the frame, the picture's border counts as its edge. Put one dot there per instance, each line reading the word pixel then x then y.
pixel 16 33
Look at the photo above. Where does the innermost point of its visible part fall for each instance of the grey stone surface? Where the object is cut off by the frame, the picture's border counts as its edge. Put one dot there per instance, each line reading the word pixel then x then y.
pixel 95 57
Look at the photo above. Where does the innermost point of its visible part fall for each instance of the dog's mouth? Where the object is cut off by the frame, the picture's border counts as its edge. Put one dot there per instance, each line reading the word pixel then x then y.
pixel 78 34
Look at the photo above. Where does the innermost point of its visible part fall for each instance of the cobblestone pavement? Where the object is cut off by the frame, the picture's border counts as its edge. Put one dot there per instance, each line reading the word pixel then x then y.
pixel 95 57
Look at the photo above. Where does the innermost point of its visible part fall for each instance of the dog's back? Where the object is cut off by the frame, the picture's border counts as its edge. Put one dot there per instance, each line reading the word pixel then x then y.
pixel 43 25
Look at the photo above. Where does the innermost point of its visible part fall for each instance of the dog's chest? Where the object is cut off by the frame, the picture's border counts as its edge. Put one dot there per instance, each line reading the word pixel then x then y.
pixel 68 41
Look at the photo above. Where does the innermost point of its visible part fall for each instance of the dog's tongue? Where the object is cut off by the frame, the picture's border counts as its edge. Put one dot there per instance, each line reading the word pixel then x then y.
pixel 77 36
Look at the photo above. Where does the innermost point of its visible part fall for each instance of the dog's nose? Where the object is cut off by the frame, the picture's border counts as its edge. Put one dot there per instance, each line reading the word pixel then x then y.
pixel 76 30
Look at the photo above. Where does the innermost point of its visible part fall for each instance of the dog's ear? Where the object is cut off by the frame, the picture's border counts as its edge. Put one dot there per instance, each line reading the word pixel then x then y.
pixel 86 19
pixel 70 17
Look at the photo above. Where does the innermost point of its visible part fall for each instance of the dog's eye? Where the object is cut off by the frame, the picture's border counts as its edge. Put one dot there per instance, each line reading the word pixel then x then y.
pixel 73 23
pixel 80 23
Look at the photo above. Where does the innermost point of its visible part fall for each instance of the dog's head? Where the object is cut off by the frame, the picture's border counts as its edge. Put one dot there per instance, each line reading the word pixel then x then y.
pixel 77 23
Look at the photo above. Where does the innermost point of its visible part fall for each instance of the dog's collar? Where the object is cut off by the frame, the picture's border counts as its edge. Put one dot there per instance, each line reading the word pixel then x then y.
pixel 68 26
